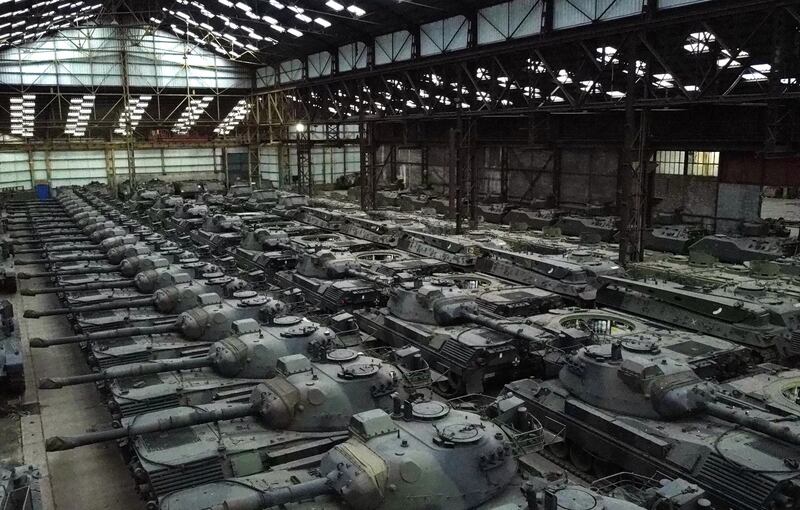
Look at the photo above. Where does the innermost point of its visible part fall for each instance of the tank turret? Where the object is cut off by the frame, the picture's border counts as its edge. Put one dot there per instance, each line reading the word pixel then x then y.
pixel 650 413
pixel 328 265
pixel 454 335
pixel 174 292
pixel 146 281
pixel 209 322
pixel 666 389
pixel 393 464
pixel 303 397
pixel 219 223
pixel 252 352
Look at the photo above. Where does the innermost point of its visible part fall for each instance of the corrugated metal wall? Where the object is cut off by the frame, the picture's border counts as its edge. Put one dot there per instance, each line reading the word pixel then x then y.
pixel 172 164
pixel 76 167
pixel 15 170
pixel 278 163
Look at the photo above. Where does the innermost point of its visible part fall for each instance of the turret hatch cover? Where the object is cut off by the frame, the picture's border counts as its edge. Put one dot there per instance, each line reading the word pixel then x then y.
pixel 287 320
pixel 430 410
pixel 193 265
pixel 341 355
pixel 254 301
pixel 245 294
pixel 299 331
pixel 215 274
pixel 577 499
pixel 641 344
pixel 359 370
pixel 463 433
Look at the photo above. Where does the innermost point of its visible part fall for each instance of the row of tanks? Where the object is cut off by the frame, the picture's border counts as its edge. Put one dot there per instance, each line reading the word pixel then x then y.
pixel 316 356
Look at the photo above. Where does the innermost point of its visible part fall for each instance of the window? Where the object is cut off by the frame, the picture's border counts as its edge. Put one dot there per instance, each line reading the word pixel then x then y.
pixel 693 163
pixel 703 164
pixel 671 162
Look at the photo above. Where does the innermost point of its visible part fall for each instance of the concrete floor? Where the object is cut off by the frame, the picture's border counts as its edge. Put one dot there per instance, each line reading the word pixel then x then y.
pixel 89 478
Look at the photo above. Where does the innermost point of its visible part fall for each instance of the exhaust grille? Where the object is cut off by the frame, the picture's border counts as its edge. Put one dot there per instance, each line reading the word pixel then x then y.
pixel 186 475
pixel 741 489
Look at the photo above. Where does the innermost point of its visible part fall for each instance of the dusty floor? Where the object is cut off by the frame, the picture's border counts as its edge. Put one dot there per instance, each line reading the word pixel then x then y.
pixel 90 478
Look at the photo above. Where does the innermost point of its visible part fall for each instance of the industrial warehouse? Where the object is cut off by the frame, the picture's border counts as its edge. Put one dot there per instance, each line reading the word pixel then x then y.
pixel 400 255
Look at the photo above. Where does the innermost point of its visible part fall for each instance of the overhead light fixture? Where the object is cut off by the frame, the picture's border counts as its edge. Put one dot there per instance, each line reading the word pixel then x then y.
pixel 356 10
pixel 22 110
pixel 80 110
pixel 234 118
pixel 131 115
pixel 191 114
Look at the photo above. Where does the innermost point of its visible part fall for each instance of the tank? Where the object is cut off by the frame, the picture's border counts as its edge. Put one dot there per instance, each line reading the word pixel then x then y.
pixel 469 349
pixel 261 200
pixel 574 276
pixel 653 415
pixel 711 357
pixel 335 281
pixel 738 250
pixel 218 233
pixel 227 372
pixel 162 208
pixel 748 314
pixel 605 227
pixel 186 217
pixel 382 233
pixel 405 452
pixel 205 324
pixel 171 294
pixel 533 219
pixel 461 253
pixel 302 412
pixel 676 239
pixel 12 366
pixel 330 241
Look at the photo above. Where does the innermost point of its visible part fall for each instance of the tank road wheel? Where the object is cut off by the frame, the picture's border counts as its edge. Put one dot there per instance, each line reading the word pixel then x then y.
pixel 559 450
pixel 450 386
pixel 580 458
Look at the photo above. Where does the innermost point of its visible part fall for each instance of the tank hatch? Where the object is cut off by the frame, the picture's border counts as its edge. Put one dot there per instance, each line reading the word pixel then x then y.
pixel 430 410
pixel 341 355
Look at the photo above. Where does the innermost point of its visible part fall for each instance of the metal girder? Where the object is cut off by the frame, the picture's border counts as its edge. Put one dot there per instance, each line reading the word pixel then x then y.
pixel 548 62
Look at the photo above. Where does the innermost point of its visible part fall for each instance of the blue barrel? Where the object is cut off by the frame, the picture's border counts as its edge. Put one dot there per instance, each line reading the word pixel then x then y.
pixel 43 191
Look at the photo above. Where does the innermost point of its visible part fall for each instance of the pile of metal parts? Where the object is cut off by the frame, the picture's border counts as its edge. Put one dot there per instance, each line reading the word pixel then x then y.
pixel 258 349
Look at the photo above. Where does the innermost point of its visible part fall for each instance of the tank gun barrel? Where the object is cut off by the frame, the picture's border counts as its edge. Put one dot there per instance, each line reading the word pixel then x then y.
pixel 509 329
pixel 766 427
pixel 104 335
pixel 54 249
pixel 376 279
pixel 197 417
pixel 42 237
pixel 116 284
pixel 122 304
pixel 280 495
pixel 132 370
pixel 70 272
pixel 73 258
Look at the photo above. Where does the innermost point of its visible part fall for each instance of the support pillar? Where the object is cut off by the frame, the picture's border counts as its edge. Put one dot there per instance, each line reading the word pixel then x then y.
pixel 631 204
pixel 368 166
